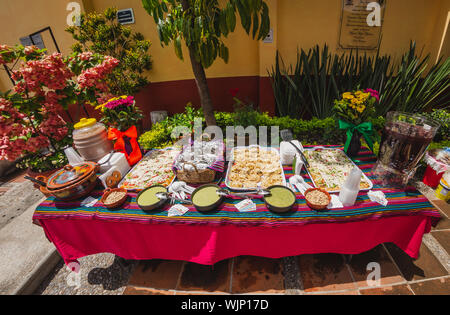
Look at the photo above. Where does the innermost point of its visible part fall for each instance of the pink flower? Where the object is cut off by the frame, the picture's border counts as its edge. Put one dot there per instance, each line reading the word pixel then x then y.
pixel 85 56
pixel 46 81
pixel 30 49
pixel 54 126
pixel 120 102
pixel 94 77
pixel 374 93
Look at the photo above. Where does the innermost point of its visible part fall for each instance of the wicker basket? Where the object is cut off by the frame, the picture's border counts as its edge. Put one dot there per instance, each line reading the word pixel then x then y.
pixel 196 176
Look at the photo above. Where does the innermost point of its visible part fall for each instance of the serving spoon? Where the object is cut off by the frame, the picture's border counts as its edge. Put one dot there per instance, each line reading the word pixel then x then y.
pixel 227 193
pixel 167 196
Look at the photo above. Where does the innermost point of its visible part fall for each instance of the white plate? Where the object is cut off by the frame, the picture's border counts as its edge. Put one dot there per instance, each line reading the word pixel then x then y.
pixel 231 162
pixel 337 191
pixel 131 171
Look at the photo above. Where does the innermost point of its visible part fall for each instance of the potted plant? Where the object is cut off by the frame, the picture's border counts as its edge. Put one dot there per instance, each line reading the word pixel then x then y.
pixel 121 113
pixel 31 123
pixel 123 117
pixel 353 111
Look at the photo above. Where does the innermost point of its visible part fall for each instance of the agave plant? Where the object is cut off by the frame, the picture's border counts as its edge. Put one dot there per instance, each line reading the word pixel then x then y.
pixel 410 89
pixel 289 100
pixel 320 77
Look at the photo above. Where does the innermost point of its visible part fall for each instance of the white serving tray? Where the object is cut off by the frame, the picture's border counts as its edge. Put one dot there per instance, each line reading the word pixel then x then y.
pixel 231 162
pixel 147 154
pixel 337 191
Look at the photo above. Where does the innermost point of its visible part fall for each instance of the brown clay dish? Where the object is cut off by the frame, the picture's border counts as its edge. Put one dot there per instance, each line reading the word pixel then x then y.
pixel 72 182
pixel 117 203
pixel 318 206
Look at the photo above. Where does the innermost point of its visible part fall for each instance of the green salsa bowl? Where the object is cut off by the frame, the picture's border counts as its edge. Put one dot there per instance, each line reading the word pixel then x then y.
pixel 205 198
pixel 147 199
pixel 281 200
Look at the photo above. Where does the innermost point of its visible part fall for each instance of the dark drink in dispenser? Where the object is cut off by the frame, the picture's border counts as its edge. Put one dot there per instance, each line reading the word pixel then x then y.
pixel 404 142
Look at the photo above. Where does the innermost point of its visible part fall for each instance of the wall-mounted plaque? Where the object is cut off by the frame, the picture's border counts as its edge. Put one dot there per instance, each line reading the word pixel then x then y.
pixel 356 32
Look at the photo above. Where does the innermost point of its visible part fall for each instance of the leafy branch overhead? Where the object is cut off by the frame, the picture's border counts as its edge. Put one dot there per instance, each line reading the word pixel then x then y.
pixel 202 23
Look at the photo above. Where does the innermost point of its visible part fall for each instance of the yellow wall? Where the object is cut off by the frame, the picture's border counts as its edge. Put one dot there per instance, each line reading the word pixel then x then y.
pixel 167 67
pixel 19 18
pixel 297 23
pixel 304 23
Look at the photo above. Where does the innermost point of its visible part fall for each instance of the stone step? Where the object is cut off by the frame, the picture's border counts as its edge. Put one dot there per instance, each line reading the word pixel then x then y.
pixel 26 256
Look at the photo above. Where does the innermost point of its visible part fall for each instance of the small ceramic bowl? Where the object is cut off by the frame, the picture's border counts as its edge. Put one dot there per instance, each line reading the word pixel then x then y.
pixel 116 204
pixel 158 204
pixel 285 208
pixel 317 207
pixel 207 208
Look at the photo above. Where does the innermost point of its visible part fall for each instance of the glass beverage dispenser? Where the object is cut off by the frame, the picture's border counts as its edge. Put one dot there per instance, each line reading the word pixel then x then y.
pixel 405 139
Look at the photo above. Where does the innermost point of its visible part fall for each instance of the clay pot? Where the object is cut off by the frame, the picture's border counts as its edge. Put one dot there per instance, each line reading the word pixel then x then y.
pixel 71 182
pixel 41 176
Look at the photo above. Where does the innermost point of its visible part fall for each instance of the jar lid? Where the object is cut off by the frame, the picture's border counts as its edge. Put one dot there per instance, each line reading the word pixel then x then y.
pixel 446 178
pixel 85 123
pixel 70 175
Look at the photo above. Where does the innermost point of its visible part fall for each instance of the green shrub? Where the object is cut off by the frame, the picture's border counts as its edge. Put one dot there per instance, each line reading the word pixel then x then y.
pixel 39 163
pixel 442 117
pixel 314 131
pixel 102 33
pixel 320 131
pixel 440 145
pixel 157 137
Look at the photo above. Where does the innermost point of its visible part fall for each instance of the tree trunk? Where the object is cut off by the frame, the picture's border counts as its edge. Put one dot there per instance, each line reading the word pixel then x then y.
pixel 202 83
pixel 203 89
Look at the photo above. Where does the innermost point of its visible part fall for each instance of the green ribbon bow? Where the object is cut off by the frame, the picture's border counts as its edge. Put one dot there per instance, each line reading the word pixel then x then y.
pixel 365 129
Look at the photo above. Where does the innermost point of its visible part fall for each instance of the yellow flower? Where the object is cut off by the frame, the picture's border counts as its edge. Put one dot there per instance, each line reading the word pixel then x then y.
pixel 364 96
pixel 360 109
pixel 348 96
pixel 356 101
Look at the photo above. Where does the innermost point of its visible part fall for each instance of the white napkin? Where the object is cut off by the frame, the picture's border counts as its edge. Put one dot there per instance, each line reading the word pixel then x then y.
pixel 246 205
pixel 335 202
pixel 89 202
pixel 378 197
pixel 177 211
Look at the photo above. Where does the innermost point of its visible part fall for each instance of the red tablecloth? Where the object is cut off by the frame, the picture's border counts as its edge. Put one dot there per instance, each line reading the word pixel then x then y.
pixel 77 231
pixel 207 245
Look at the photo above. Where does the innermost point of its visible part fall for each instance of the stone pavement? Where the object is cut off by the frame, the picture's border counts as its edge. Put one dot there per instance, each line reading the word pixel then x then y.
pixel 309 274
pixel 25 253
pixel 16 195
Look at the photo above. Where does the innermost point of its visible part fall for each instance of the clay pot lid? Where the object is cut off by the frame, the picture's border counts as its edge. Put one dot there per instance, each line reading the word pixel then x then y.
pixel 71 175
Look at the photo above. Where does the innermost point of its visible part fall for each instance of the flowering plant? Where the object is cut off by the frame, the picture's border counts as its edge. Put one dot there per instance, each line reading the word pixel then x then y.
pixel 353 111
pixel 356 107
pixel 121 113
pixel 45 85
